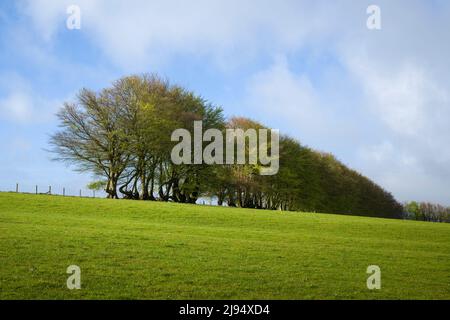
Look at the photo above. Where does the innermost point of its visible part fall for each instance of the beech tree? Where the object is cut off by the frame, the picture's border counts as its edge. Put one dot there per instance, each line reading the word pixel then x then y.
pixel 122 136
pixel 92 136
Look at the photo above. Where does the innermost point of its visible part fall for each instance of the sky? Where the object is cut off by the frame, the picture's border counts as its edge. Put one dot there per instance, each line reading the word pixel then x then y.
pixel 378 99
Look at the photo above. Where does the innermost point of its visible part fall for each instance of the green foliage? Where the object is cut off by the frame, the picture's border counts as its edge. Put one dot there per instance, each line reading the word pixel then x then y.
pixel 425 211
pixel 307 180
pixel 97 185
pixel 123 135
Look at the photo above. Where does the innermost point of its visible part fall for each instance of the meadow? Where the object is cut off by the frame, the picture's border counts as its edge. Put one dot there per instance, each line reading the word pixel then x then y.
pixel 153 250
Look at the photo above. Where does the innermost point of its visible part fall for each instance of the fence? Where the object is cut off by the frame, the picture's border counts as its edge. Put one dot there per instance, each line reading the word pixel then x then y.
pixel 50 190
pixel 73 192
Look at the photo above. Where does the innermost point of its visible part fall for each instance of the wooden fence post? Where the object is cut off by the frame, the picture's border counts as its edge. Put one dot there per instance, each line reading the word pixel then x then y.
pixel 49 189
pixel 64 192
pixel 36 189
pixel 17 188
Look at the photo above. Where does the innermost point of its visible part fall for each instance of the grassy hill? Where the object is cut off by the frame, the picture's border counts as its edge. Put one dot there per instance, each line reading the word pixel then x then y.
pixel 152 250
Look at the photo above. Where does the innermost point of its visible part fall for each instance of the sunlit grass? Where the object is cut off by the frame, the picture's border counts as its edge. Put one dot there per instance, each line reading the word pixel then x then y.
pixel 152 250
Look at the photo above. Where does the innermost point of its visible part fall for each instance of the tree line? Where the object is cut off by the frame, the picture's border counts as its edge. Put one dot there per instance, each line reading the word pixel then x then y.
pixel 425 211
pixel 122 135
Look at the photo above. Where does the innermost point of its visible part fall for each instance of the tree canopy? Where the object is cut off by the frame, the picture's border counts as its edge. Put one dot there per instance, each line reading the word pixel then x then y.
pixel 122 135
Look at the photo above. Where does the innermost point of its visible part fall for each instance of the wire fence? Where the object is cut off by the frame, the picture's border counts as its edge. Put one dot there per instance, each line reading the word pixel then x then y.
pixel 40 189
pixel 58 190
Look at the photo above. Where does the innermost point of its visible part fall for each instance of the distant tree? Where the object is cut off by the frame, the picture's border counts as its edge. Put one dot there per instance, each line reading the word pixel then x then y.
pixel 97 185
pixel 426 211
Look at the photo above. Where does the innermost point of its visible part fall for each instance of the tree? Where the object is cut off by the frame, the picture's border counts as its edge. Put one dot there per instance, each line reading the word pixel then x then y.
pixel 122 135
pixel 97 185
pixel 92 137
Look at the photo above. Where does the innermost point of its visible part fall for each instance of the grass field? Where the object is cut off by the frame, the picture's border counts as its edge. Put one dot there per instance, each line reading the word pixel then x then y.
pixel 152 250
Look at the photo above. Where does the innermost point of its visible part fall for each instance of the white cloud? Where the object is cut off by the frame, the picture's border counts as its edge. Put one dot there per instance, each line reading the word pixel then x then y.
pixel 405 97
pixel 403 73
pixel 278 93
pixel 16 106
pixel 19 103
pixel 399 74
pixel 135 33
pixel 45 15
pixel 404 171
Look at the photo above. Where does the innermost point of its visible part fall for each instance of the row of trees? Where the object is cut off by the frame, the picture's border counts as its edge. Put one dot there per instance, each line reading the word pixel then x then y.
pixel 425 211
pixel 122 135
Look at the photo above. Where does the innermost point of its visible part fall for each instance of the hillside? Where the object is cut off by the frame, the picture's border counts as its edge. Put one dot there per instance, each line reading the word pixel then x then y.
pixel 155 250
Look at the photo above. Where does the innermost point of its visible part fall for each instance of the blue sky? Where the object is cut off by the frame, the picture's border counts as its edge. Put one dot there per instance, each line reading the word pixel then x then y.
pixel 377 99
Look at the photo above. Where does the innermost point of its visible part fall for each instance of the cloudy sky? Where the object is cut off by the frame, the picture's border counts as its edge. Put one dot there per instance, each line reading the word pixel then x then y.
pixel 377 99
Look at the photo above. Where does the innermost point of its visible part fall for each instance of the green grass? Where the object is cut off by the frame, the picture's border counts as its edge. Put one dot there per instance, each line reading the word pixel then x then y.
pixel 151 250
